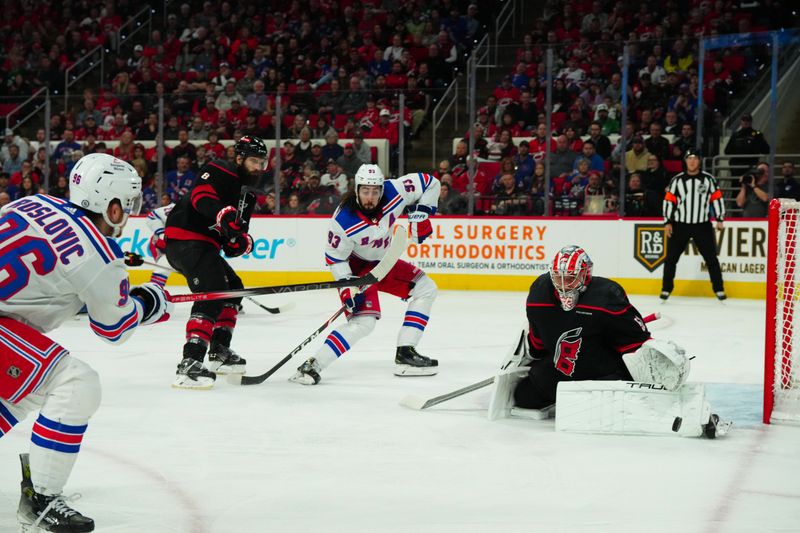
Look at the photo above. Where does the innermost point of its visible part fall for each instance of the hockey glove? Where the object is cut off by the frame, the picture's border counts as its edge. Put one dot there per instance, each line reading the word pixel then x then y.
pixel 155 303
pixel 228 223
pixel 133 260
pixel 157 245
pixel 420 223
pixel 351 297
pixel 239 245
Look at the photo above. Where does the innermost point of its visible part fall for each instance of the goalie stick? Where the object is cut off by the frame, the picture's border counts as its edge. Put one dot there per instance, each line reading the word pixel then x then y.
pixel 393 253
pixel 418 404
pixel 132 259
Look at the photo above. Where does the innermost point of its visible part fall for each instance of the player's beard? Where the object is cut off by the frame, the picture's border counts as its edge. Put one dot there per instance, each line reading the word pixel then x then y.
pixel 250 179
pixel 372 212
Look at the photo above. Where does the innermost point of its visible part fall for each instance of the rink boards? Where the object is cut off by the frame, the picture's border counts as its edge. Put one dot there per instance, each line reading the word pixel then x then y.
pixel 504 253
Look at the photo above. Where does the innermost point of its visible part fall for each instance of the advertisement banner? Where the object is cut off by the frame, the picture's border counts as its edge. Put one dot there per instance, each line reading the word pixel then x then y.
pixel 501 253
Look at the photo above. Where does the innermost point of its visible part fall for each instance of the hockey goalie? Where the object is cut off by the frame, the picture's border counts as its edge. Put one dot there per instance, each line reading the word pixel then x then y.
pixel 589 358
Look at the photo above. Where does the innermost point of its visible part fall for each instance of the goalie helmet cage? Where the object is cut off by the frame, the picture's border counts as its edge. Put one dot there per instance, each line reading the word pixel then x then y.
pixel 782 350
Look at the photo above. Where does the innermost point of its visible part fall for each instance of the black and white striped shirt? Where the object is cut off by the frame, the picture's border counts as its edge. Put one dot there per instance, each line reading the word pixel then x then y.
pixel 689 197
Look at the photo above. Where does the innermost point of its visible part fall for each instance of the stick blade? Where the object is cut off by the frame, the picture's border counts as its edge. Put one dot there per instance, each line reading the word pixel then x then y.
pixel 393 253
pixel 286 307
pixel 234 379
pixel 414 402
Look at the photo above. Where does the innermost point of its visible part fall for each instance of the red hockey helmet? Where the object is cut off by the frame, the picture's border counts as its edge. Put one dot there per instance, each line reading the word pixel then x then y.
pixel 570 272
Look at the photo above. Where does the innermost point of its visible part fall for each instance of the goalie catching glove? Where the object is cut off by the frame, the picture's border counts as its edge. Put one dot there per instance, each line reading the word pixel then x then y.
pixel 658 361
pixel 419 222
pixel 154 301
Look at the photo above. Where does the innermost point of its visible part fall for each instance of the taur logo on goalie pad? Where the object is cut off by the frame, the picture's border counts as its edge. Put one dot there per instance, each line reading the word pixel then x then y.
pixel 650 245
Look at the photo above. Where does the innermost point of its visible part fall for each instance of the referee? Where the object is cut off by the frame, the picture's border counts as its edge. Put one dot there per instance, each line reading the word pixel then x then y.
pixel 689 197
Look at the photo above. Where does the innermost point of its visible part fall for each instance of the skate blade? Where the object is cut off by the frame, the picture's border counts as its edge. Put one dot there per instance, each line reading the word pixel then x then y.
pixel 302 380
pixel 409 371
pixel 193 385
pixel 229 370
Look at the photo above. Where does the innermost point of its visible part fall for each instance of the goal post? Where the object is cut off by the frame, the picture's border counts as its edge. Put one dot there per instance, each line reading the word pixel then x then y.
pixel 782 347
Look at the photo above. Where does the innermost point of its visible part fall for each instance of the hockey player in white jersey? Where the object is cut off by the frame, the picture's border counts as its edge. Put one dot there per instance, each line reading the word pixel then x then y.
pixel 156 246
pixel 56 256
pixel 359 233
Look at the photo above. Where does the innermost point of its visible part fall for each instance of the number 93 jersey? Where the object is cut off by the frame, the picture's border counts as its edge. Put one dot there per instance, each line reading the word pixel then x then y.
pixel 352 234
pixel 53 259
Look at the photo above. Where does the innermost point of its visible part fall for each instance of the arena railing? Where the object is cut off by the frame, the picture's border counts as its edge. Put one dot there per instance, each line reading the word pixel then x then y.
pixel 93 59
pixel 30 106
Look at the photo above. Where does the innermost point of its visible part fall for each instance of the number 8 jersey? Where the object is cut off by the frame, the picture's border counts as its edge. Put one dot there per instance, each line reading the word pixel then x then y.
pixel 53 259
pixel 352 234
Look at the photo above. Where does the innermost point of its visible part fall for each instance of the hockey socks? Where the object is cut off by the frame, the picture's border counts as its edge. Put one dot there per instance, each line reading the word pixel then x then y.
pixel 416 318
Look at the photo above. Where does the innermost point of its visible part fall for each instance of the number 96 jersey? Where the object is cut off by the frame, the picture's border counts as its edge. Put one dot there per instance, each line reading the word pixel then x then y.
pixel 53 259
pixel 352 234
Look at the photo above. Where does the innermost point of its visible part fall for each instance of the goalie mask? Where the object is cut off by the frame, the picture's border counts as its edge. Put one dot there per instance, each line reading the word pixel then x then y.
pixel 570 272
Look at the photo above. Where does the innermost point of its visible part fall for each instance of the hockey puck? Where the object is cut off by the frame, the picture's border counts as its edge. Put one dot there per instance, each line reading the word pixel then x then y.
pixel 676 424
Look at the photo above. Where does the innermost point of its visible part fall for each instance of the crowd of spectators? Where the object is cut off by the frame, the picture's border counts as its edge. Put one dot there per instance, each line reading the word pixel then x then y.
pixel 338 67
pixel 587 38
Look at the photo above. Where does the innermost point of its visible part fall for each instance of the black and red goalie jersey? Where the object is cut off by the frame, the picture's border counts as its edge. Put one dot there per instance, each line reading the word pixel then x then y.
pixel 194 216
pixel 586 342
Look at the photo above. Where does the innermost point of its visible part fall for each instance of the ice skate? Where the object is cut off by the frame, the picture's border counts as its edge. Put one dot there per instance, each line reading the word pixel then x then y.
pixel 223 360
pixel 307 373
pixel 38 512
pixel 721 295
pixel 191 374
pixel 664 296
pixel 410 363
pixel 716 427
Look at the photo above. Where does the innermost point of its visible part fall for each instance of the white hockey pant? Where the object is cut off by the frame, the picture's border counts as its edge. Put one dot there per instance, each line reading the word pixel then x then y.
pixel 66 400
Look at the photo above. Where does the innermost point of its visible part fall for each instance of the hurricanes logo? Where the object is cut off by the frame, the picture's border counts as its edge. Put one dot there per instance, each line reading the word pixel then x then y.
pixel 14 372
pixel 568 348
pixel 650 245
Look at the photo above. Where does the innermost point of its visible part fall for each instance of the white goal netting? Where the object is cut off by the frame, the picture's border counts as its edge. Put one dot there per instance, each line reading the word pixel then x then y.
pixel 782 388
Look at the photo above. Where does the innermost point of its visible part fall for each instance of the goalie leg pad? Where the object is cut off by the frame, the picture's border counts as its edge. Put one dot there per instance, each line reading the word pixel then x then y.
pixel 631 408
pixel 511 373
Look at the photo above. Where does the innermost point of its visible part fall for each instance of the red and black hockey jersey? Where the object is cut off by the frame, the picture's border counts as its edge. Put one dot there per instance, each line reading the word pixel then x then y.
pixel 218 185
pixel 588 341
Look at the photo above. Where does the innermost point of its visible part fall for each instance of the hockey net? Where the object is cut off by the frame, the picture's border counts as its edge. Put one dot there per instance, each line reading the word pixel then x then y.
pixel 782 363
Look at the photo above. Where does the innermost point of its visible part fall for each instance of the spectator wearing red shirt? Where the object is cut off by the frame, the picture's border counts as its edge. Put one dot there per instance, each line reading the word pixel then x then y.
pixel 124 149
pixel 540 143
pixel 237 114
pixel 385 129
pixel 210 115
pixel 397 78
pixel 25 171
pixel 506 90
pixel 213 146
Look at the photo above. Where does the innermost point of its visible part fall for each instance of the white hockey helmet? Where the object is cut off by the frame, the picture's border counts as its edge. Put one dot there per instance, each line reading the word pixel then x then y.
pixel 570 272
pixel 369 175
pixel 98 179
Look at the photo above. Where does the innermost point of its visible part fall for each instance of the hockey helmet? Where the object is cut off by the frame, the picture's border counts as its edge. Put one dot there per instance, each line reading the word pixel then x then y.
pixel 570 272
pixel 98 179
pixel 251 146
pixel 369 175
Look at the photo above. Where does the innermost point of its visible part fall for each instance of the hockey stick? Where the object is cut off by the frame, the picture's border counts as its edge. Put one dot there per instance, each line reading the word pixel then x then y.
pixel 393 253
pixel 261 378
pixel 132 259
pixel 418 404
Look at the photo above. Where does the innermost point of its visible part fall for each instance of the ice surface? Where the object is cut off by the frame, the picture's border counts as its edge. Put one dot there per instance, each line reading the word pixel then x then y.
pixel 343 456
